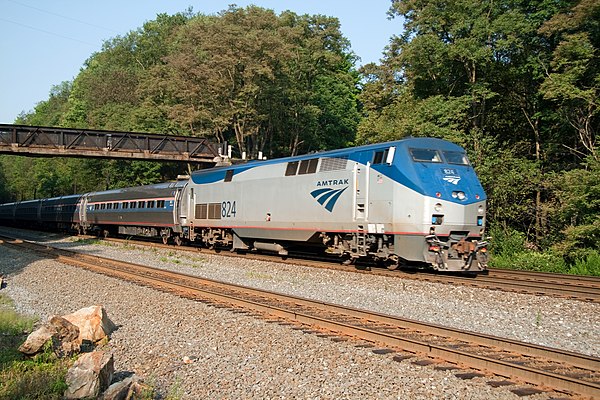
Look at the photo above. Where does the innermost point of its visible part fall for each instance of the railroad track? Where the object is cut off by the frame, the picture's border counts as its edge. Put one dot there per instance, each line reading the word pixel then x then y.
pixel 448 348
pixel 574 287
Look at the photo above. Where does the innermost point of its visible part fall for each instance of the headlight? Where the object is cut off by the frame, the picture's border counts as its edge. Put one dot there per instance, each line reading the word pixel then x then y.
pixel 438 207
pixel 459 195
pixel 480 210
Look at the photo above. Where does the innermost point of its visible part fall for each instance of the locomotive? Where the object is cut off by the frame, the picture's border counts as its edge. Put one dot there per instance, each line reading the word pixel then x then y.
pixel 415 201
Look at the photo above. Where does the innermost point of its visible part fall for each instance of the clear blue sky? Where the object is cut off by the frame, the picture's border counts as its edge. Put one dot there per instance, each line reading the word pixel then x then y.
pixel 44 43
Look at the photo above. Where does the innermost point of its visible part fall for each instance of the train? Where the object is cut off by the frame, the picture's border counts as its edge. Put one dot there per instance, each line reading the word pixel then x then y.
pixel 410 202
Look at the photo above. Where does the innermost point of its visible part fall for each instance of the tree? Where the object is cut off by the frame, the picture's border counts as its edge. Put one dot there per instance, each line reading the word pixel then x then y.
pixel 573 76
pixel 266 82
pixel 478 74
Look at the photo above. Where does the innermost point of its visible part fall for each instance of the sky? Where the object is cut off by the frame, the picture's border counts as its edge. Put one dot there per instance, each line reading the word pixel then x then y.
pixel 44 43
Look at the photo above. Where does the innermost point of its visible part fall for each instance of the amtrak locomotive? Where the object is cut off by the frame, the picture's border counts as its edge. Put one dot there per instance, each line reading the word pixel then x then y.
pixel 415 201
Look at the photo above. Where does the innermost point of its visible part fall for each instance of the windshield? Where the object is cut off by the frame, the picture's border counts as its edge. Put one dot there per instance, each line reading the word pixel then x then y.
pixel 425 155
pixel 456 157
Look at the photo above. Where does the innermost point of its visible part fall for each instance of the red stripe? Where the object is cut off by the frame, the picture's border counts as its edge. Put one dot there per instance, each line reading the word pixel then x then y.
pixel 273 228
pixel 127 223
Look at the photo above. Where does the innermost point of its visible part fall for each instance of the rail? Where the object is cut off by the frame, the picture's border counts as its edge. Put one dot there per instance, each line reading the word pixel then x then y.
pixel 572 287
pixel 562 370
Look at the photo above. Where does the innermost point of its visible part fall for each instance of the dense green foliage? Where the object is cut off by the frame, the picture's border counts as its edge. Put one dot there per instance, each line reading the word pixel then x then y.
pixel 517 84
pixel 514 82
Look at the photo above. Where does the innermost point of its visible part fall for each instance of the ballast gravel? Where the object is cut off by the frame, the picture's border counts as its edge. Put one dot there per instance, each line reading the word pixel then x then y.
pixel 191 350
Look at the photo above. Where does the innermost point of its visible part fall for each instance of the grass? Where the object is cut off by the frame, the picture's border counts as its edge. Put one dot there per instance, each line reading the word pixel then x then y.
pixel 588 266
pixel 41 377
pixel 509 250
pixel 170 260
pixel 547 262
pixel 257 275
pixel 87 241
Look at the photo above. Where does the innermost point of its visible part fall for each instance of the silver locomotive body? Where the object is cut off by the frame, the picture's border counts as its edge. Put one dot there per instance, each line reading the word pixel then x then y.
pixel 385 202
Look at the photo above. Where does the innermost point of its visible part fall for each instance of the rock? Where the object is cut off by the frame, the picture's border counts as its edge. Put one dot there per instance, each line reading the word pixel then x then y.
pixel 128 389
pixel 118 390
pixel 140 390
pixel 93 323
pixel 90 375
pixel 36 341
pixel 64 336
pixel 65 340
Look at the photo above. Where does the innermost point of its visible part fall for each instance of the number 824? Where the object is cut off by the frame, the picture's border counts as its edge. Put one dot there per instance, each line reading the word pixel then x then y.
pixel 228 209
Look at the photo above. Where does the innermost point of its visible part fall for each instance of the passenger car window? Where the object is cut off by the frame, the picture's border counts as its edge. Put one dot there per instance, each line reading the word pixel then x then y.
pixel 456 157
pixel 425 155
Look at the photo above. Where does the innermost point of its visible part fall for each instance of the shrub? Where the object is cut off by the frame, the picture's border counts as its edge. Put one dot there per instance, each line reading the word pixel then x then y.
pixel 530 261
pixel 506 241
pixel 590 265
pixel 42 377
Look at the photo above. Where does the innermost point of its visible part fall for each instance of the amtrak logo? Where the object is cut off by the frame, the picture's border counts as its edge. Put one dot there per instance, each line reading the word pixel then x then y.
pixel 327 197
pixel 452 179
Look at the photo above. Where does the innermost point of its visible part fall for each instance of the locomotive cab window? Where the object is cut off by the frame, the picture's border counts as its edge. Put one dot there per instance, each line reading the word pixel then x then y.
pixel 228 175
pixel 425 155
pixel 456 157
pixel 379 156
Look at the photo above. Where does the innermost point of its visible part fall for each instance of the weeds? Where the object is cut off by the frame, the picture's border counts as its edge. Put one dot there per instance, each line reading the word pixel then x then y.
pixel 510 251
pixel 42 377
pixel 175 391
pixel 87 241
pixel 258 275
pixel 170 260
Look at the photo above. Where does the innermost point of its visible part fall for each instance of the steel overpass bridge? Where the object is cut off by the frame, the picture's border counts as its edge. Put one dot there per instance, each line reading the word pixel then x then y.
pixel 41 141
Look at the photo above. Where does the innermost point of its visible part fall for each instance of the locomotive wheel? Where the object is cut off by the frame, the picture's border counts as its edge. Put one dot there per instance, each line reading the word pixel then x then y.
pixel 165 239
pixel 177 240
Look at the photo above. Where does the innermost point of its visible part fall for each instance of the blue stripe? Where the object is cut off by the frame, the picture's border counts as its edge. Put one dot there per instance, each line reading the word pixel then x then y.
pixel 334 199
pixel 423 178
pixel 326 196
pixel 316 193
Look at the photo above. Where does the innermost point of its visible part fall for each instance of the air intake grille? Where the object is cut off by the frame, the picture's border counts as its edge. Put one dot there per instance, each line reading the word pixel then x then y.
pixel 333 164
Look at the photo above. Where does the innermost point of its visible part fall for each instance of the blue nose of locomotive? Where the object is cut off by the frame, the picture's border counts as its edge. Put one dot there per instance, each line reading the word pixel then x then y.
pixel 440 169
